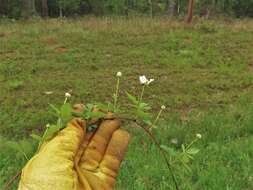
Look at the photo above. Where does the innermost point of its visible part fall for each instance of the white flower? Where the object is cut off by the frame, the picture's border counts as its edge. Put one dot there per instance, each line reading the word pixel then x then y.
pixel 163 107
pixel 150 80
pixel 67 95
pixel 199 136
pixel 48 125
pixel 144 80
pixel 174 141
pixel 119 74
pixel 48 92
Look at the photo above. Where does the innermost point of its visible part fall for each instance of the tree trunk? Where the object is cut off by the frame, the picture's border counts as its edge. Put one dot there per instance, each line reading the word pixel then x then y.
pixel 33 8
pixel 126 8
pixel 2 7
pixel 178 7
pixel 60 10
pixel 151 8
pixel 190 11
pixel 25 9
pixel 170 7
pixel 204 9
pixel 44 7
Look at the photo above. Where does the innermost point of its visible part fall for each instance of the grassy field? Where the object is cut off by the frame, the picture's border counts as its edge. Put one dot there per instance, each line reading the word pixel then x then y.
pixel 203 74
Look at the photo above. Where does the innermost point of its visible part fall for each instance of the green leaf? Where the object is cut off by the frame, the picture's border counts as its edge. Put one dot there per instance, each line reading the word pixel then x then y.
pixel 149 123
pixel 95 115
pixel 36 137
pixel 66 112
pixel 142 115
pixel 187 167
pixel 77 114
pixel 27 147
pixel 185 159
pixel 101 106
pixel 132 98
pixel 144 106
pixel 192 151
pixel 50 132
pixel 171 151
pixel 183 148
pixel 57 111
pixel 110 107
pixel 13 145
pixel 89 107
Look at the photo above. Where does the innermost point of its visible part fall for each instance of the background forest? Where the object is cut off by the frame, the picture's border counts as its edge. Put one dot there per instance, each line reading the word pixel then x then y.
pixel 73 8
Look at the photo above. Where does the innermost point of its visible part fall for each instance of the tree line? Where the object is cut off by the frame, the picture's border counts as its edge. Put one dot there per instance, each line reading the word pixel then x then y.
pixel 171 8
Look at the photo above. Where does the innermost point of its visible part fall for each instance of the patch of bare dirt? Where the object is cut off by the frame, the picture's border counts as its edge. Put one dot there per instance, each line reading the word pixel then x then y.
pixel 61 50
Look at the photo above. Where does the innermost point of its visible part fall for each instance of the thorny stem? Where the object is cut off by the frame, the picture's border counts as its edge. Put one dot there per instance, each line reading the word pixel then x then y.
pixel 8 184
pixel 152 137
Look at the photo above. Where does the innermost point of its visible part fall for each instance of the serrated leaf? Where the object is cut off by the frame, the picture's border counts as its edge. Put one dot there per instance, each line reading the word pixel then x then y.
pixel 132 98
pixel 142 115
pixel 149 123
pixel 27 147
pixel 89 107
pixel 101 106
pixel 183 147
pixel 57 111
pixel 95 115
pixel 192 151
pixel 50 132
pixel 13 145
pixel 171 151
pixel 66 112
pixel 110 107
pixel 187 167
pixel 36 137
pixel 185 159
pixel 77 114
pixel 144 106
pixel 24 147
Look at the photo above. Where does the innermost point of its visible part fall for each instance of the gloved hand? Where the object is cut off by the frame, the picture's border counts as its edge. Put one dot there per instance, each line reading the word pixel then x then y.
pixel 78 160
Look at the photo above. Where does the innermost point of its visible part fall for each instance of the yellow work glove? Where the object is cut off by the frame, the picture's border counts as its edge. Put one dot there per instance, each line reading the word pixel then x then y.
pixel 78 160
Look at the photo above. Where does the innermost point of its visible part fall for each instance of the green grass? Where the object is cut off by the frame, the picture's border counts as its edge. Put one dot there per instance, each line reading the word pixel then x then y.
pixel 203 74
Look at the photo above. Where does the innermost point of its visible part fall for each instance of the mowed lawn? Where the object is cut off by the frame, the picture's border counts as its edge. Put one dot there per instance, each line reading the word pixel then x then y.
pixel 203 74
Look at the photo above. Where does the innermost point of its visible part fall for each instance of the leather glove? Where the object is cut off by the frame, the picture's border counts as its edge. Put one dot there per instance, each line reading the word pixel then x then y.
pixel 78 160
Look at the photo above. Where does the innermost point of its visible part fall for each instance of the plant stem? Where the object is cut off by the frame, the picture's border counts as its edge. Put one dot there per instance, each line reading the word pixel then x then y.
pixel 65 101
pixel 42 140
pixel 8 183
pixel 156 119
pixel 142 92
pixel 116 95
pixel 153 138
pixel 162 151
pixel 191 144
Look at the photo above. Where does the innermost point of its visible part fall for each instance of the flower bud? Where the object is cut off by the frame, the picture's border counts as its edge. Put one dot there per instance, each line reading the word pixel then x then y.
pixel 67 95
pixel 199 136
pixel 119 74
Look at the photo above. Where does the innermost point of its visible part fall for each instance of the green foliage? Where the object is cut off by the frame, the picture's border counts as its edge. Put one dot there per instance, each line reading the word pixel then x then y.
pixel 24 148
pixel 69 6
pixel 15 84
